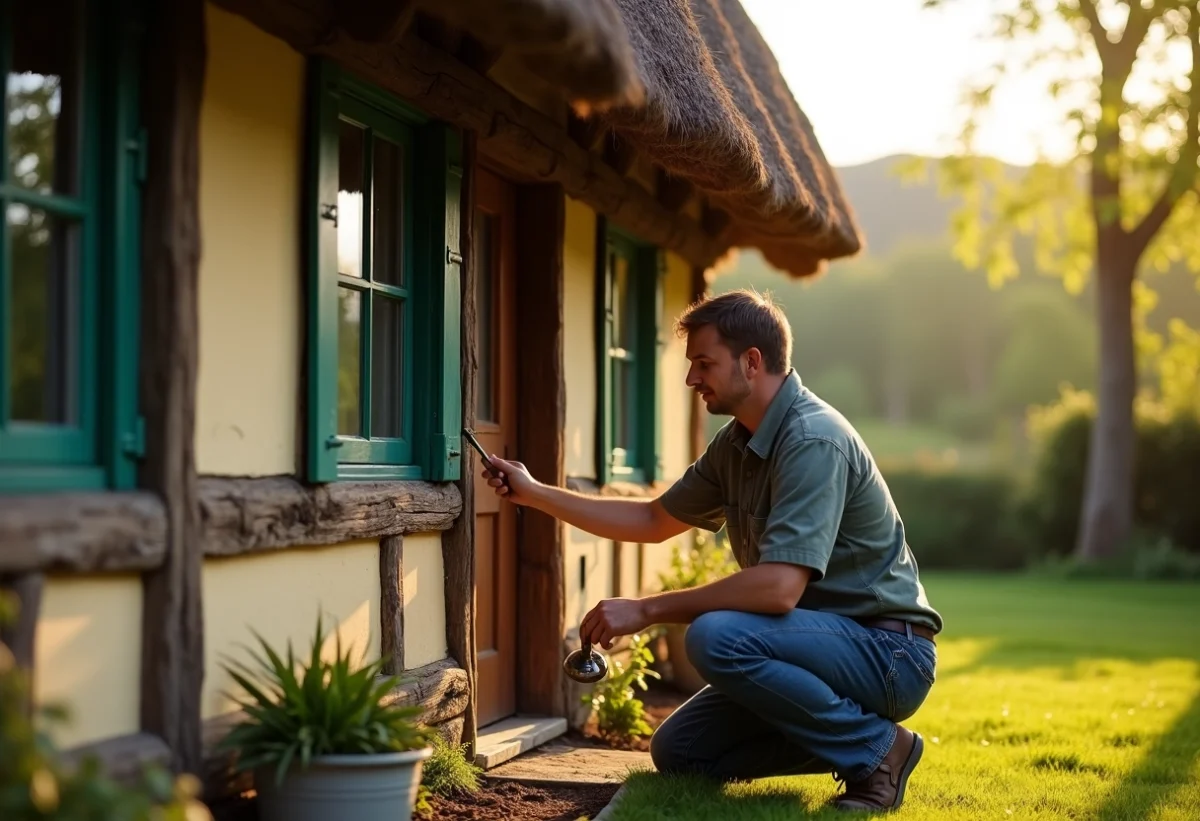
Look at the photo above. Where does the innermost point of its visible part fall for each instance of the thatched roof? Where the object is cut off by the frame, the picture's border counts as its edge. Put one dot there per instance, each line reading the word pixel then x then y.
pixel 693 85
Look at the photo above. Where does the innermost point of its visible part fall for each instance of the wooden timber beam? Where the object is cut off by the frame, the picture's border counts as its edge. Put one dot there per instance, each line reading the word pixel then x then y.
pixel 542 411
pixel 82 532
pixel 619 153
pixel 20 635
pixel 253 515
pixel 172 623
pixel 458 544
pixel 585 132
pixel 373 21
pixel 391 604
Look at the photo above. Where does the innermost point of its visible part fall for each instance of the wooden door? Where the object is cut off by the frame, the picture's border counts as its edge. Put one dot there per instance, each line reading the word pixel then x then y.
pixel 496 427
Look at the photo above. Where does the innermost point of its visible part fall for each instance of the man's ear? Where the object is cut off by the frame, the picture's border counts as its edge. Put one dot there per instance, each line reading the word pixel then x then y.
pixel 754 361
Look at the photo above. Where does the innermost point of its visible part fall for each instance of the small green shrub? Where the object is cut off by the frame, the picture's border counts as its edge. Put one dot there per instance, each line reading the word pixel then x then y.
pixel 620 714
pixel 448 771
pixel 708 560
pixel 329 708
pixel 960 520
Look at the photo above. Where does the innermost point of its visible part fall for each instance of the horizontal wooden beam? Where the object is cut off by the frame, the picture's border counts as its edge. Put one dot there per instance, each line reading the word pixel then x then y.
pixel 122 758
pixel 672 192
pixel 122 532
pixel 439 688
pixel 81 532
pixel 254 515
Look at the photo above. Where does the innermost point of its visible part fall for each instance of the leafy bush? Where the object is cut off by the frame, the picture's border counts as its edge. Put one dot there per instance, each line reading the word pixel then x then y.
pixel 1167 457
pixel 708 560
pixel 963 520
pixel 328 709
pixel 1147 558
pixel 448 771
pixel 35 784
pixel 620 715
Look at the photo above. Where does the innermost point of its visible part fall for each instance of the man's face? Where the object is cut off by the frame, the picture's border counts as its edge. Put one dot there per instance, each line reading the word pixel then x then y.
pixel 716 374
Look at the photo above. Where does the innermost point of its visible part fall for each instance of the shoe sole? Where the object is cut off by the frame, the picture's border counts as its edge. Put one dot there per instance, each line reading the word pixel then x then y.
pixel 910 764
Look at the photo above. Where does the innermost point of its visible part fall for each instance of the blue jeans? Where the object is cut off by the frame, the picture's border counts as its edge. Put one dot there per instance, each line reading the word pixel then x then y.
pixel 802 693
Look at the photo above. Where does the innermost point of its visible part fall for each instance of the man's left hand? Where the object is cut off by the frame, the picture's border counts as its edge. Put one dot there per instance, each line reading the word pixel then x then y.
pixel 612 618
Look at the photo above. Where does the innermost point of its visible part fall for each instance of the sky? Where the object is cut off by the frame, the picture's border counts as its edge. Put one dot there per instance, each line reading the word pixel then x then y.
pixel 883 77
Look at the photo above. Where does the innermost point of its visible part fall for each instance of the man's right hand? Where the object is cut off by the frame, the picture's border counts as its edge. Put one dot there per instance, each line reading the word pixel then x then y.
pixel 514 482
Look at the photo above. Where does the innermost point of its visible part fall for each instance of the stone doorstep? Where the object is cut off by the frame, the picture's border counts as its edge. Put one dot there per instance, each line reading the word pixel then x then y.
pixel 507 739
pixel 561 763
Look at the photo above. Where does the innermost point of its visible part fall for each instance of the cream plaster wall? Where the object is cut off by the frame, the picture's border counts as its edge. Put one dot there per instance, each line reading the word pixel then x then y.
pixel 579 338
pixel 251 150
pixel 88 651
pixel 424 600
pixel 279 596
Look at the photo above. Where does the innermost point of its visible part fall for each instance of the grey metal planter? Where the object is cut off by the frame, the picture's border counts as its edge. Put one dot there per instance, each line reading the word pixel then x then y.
pixel 379 787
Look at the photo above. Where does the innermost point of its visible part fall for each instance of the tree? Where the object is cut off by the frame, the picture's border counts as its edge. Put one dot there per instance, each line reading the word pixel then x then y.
pixel 1123 206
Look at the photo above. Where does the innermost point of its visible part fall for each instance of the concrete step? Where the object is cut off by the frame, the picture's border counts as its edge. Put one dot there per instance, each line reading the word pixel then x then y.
pixel 507 739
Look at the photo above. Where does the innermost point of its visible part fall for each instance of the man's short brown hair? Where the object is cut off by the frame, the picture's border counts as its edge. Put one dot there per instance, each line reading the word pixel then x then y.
pixel 744 319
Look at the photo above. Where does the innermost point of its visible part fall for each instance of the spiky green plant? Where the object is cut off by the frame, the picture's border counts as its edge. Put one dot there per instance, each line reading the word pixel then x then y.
pixel 298 712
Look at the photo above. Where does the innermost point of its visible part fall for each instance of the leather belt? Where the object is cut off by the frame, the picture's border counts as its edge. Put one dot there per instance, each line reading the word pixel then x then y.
pixel 898 626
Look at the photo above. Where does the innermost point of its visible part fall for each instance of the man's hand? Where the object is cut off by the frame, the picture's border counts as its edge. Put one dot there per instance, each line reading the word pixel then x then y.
pixel 611 619
pixel 520 485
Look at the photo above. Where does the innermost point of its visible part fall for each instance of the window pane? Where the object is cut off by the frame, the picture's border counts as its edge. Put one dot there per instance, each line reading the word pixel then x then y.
pixel 350 199
pixel 43 96
pixel 387 367
pixel 349 362
pixel 485 308
pixel 41 366
pixel 622 404
pixel 622 315
pixel 387 264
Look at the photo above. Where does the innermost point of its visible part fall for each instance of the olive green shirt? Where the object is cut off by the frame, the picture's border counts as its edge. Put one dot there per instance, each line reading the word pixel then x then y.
pixel 805 490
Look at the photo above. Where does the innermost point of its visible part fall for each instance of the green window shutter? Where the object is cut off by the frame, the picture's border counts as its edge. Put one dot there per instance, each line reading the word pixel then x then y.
pixel 604 341
pixel 442 153
pixel 322 297
pixel 651 273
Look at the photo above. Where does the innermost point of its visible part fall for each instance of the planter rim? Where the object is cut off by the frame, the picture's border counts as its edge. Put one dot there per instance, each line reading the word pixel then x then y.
pixel 372 759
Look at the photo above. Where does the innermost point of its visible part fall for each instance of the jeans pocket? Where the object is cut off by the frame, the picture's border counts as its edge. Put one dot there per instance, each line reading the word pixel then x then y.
pixel 909 681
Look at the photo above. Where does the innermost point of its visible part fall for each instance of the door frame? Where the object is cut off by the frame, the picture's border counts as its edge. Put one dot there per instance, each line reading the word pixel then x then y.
pixel 541 429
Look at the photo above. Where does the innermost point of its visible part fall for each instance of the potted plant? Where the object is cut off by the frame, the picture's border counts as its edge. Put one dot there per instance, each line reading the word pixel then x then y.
pixel 708 559
pixel 323 742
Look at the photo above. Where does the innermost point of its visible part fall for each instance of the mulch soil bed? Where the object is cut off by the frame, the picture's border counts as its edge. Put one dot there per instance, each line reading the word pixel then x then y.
pixel 659 702
pixel 497 800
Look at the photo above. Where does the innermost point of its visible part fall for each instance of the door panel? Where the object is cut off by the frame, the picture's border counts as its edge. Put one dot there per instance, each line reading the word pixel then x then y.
pixel 496 427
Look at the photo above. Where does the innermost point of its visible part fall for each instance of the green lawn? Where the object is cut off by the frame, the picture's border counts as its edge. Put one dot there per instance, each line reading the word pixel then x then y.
pixel 1055 699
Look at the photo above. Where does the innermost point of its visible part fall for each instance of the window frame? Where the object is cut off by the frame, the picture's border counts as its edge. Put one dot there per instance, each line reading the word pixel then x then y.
pixel 647 274
pixel 429 448
pixel 100 451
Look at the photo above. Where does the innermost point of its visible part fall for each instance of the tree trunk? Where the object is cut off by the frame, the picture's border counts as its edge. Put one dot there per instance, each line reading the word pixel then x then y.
pixel 1106 517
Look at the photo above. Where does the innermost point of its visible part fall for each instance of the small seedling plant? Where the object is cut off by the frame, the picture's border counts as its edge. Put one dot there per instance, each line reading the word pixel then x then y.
pixel 620 714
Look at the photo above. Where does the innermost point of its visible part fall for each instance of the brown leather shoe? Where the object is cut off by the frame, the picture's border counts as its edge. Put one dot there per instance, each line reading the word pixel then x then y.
pixel 884 788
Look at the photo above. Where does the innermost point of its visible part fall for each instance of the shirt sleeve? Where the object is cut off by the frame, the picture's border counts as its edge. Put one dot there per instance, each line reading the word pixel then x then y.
pixel 808 494
pixel 696 497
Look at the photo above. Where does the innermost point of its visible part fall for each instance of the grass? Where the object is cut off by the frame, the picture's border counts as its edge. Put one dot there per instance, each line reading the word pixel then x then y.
pixel 1055 700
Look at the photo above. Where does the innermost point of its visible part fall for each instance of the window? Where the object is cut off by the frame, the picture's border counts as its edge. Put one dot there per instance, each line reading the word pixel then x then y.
pixel 384 291
pixel 630 303
pixel 69 247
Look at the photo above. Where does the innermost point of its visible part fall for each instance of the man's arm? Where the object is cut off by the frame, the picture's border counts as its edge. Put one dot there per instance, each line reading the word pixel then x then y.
pixel 643 521
pixel 771 589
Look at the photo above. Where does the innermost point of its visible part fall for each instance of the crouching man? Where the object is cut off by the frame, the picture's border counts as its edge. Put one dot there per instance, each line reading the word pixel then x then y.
pixel 823 642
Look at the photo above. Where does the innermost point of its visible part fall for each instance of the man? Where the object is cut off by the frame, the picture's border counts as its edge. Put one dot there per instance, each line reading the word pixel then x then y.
pixel 824 639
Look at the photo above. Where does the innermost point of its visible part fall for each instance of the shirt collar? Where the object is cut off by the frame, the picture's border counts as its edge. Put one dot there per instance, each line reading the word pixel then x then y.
pixel 764 438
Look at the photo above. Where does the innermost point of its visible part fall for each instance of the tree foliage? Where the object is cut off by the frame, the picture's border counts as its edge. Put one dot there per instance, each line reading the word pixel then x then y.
pixel 1124 203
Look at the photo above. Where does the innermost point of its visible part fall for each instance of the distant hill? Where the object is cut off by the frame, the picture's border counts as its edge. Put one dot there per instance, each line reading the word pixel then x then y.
pixel 892 210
